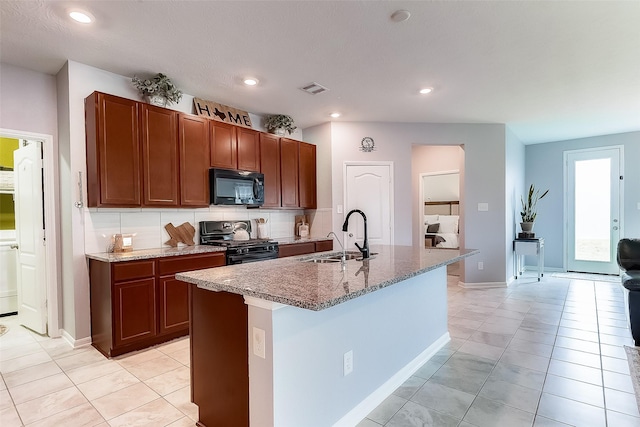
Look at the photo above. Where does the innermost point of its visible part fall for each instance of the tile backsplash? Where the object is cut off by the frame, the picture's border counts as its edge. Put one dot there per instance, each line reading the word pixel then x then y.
pixel 147 225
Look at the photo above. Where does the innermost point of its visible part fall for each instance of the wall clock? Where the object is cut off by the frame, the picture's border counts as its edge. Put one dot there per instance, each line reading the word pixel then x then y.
pixel 367 144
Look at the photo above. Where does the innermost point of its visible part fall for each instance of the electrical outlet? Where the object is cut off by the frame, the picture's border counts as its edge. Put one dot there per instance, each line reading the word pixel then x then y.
pixel 339 209
pixel 483 207
pixel 347 363
pixel 480 265
pixel 259 342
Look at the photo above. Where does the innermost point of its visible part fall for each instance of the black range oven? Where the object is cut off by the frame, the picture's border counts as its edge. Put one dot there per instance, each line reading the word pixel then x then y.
pixel 232 235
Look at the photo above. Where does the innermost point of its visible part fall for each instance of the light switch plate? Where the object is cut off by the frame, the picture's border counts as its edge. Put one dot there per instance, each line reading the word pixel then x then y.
pixel 483 207
pixel 339 209
pixel 258 342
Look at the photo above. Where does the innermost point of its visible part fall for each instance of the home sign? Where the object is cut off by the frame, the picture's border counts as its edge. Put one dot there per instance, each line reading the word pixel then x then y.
pixel 221 113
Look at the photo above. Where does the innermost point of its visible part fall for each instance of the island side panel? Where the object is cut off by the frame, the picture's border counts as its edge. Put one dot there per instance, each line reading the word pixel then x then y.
pixel 219 357
pixel 386 330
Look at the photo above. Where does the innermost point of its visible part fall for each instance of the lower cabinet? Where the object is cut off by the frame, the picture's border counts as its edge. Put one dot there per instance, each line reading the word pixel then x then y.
pixel 137 304
pixel 294 249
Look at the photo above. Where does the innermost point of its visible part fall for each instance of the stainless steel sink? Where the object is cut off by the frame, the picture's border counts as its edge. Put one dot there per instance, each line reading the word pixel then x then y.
pixel 323 260
pixel 326 259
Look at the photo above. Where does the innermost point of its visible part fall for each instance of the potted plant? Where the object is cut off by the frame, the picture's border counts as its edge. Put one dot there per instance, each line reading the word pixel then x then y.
pixel 528 213
pixel 279 123
pixel 159 90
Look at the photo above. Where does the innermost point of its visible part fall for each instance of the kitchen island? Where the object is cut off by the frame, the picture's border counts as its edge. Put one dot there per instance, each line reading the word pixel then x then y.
pixel 291 342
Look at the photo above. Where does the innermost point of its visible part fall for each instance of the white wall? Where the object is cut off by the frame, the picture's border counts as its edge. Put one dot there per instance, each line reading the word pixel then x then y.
pixel 544 168
pixel 514 188
pixel 321 219
pixel 483 178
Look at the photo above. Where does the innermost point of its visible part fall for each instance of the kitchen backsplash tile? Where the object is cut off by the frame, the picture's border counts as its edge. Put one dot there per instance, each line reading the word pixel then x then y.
pixel 148 224
pixel 145 226
pixel 99 228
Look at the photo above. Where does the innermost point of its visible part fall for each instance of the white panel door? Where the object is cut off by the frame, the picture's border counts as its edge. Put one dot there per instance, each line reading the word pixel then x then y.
pixel 32 298
pixel 369 188
pixel 593 212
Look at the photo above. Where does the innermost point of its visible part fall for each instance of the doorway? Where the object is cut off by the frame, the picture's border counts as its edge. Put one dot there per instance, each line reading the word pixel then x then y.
pixel 48 194
pixel 593 189
pixel 369 187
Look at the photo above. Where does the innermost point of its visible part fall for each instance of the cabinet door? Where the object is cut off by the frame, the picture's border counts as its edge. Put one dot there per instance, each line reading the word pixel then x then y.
pixel 307 176
pixel 173 305
pixel 289 151
pixel 223 145
pixel 248 149
pixel 159 156
pixel 113 151
pixel 194 160
pixel 270 168
pixel 134 311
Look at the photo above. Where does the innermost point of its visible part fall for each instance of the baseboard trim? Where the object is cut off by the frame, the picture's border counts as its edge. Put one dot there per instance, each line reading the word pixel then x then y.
pixel 83 342
pixel 358 413
pixel 482 285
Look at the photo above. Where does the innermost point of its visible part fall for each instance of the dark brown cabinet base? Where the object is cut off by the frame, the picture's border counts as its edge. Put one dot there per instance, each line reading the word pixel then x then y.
pixel 137 304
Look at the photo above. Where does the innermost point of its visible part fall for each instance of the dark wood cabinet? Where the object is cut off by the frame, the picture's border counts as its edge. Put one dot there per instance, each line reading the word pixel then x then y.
pixel 303 248
pixel 270 168
pixel 289 163
pixel 134 304
pixel 307 176
pixel 194 161
pixel 223 145
pixel 159 156
pixel 137 304
pixel 113 151
pixel 139 155
pixel 248 148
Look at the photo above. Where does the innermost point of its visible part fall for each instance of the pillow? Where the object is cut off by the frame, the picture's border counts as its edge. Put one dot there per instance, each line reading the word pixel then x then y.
pixel 449 227
pixel 449 223
pixel 433 228
pixel 430 219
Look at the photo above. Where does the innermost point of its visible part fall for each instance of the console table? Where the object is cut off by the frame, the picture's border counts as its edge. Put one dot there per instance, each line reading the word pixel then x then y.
pixel 522 247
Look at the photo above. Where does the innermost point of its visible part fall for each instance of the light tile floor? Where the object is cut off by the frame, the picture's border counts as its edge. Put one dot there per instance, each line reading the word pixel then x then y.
pixel 541 354
pixel 47 383
pixel 534 354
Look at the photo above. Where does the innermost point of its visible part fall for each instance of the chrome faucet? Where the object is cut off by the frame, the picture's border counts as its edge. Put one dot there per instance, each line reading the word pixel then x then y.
pixel 344 254
pixel 365 245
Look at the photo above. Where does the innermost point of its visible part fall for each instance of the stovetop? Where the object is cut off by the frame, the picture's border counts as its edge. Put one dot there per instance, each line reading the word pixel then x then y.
pixel 221 233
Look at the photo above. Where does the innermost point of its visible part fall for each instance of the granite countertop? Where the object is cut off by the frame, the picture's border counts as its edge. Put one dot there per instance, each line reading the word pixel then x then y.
pixel 294 240
pixel 317 286
pixel 154 253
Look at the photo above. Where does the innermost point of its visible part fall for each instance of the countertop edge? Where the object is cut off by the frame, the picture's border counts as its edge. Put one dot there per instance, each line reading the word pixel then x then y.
pixel 142 254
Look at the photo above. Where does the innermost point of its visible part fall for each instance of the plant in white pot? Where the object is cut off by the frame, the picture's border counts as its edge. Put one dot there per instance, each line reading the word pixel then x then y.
pixel 528 213
pixel 158 90
pixel 279 123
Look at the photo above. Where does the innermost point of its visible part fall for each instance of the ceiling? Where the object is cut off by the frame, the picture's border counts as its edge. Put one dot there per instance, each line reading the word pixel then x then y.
pixel 549 70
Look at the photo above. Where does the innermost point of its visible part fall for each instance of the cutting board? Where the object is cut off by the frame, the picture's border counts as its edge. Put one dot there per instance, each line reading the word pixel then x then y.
pixel 183 233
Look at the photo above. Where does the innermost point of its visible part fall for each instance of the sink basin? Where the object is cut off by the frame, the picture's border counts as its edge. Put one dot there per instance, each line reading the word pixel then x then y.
pixel 337 257
pixel 348 256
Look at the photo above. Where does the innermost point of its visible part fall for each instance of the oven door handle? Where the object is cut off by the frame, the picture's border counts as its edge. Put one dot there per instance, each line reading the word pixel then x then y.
pixel 242 258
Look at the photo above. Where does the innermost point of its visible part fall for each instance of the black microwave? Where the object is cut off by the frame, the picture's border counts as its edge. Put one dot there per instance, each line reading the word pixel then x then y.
pixel 234 187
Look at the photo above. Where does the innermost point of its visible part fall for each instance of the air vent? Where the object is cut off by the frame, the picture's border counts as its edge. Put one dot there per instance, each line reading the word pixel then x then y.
pixel 314 88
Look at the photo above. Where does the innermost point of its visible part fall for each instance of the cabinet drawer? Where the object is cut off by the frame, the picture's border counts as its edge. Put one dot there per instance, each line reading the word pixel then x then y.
pixel 325 245
pixel 133 270
pixel 182 263
pixel 296 249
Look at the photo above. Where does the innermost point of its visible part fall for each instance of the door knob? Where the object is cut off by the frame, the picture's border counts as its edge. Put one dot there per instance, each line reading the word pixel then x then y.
pixel 14 246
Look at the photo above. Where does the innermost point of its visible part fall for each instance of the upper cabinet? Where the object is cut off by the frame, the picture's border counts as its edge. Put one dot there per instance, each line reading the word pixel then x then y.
pixel 270 168
pixel 113 151
pixel 307 176
pixel 139 155
pixel 194 161
pixel 159 156
pixel 234 147
pixel 289 161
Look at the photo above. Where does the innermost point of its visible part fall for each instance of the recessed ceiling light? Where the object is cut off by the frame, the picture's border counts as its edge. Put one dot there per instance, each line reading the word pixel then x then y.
pixel 81 16
pixel 251 81
pixel 400 15
pixel 335 115
pixel 426 90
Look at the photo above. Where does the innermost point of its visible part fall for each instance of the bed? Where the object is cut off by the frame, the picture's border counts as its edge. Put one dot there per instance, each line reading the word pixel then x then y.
pixel 441 224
